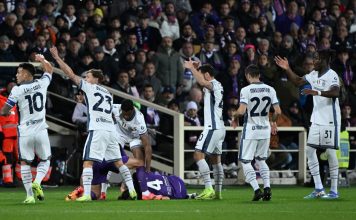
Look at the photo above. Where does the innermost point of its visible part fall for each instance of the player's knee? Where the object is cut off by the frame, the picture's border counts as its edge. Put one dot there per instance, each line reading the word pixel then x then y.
pixel 310 151
pixel 25 162
pixel 198 156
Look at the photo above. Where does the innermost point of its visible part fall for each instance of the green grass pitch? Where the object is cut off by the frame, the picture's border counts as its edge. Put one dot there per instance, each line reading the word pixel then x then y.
pixel 287 204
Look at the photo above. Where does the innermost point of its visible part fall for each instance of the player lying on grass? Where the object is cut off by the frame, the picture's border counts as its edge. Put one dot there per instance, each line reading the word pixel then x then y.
pixel 168 187
pixel 100 173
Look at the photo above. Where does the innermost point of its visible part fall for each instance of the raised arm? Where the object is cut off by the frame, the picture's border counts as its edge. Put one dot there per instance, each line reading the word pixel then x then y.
pixel 47 66
pixel 193 66
pixel 294 78
pixel 66 69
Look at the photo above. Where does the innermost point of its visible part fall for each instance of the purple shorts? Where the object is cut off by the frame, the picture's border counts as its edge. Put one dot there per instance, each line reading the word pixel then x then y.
pixel 101 169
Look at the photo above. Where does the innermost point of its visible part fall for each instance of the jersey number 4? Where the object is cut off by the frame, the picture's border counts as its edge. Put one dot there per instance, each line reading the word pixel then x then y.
pixel 266 100
pixel 156 185
pixel 97 107
pixel 35 102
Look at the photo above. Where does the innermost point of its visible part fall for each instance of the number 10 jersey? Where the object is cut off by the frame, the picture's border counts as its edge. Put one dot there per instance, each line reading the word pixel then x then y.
pixel 99 103
pixel 258 97
pixel 31 101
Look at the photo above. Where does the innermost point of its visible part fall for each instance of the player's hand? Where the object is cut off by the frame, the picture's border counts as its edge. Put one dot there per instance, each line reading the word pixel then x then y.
pixel 309 92
pixel 274 128
pixel 165 198
pixel 282 62
pixel 190 64
pixel 40 58
pixel 54 52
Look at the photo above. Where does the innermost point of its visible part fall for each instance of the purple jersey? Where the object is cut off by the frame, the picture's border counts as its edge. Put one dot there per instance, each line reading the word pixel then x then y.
pixel 171 186
pixel 101 169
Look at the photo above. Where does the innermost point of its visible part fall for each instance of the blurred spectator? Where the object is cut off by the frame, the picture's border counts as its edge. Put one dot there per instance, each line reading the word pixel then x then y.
pixel 122 83
pixel 243 13
pixel 49 10
pixel 241 38
pixel 284 21
pixel 20 10
pixel 81 23
pixel 7 73
pixel 69 14
pixel 80 113
pixel 72 55
pixel 346 115
pixel 61 23
pixel 199 20
pixel 148 38
pixel 167 95
pixel 168 66
pixel 109 49
pixel 140 60
pixel 249 56
pixel 187 35
pixel 232 80
pixel 186 53
pixel 149 77
pixel 129 45
pixel 229 159
pixel 105 63
pixel 97 25
pixel 210 55
pixel 169 25
pixel 85 63
pixel 132 10
pixel 21 50
pixel 7 26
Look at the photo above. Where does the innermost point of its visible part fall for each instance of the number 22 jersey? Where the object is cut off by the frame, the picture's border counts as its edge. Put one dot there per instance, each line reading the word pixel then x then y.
pixel 99 103
pixel 31 101
pixel 258 97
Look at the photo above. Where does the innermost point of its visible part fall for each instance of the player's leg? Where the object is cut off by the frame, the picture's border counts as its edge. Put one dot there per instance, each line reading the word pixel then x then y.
pixel 312 161
pixel 43 151
pixel 215 151
pixel 113 154
pixel 218 173
pixel 260 158
pixel 199 157
pixel 94 150
pixel 334 173
pixel 247 151
pixel 26 155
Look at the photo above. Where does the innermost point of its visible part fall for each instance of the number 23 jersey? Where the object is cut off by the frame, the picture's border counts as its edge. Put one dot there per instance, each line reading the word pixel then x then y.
pixel 99 103
pixel 258 97
pixel 31 101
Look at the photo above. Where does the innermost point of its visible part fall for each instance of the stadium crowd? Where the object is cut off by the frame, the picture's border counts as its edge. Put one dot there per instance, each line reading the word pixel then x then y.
pixel 141 45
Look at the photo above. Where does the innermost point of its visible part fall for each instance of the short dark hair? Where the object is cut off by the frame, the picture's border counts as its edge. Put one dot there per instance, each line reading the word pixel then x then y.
pixel 127 105
pixel 97 73
pixel 252 70
pixel 207 68
pixel 29 67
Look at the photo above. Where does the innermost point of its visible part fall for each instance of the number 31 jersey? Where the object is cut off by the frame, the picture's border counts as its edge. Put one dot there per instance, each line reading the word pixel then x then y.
pixel 31 101
pixel 258 97
pixel 99 103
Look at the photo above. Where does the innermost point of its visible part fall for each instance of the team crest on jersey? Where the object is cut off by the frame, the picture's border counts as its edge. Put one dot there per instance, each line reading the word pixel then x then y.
pixel 321 82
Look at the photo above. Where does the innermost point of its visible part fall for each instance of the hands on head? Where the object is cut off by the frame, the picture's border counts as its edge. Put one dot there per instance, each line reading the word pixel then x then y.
pixel 40 58
pixel 190 64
